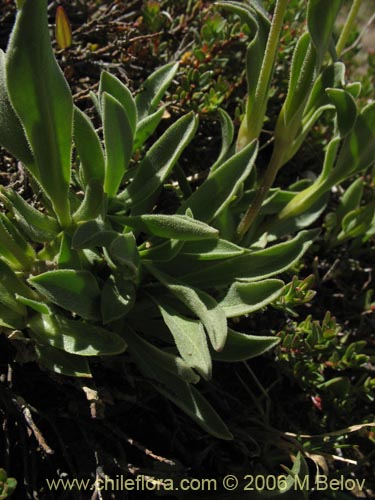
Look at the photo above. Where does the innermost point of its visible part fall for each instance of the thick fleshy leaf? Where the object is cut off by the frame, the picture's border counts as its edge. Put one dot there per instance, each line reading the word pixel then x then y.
pixel 245 298
pixel 89 148
pixel 346 109
pixel 11 319
pixel 42 99
pixel 75 291
pixel 75 337
pixel 13 246
pixel 161 360
pixel 38 226
pixel 93 233
pixel 227 134
pixel 118 140
pixel 199 303
pixel 240 346
pixel 13 283
pixel 146 128
pixel 321 26
pixel 124 253
pixel 63 30
pixel 252 266
pixel 93 203
pixel 162 252
pixel 182 394
pixel 211 249
pixel 12 135
pixel 179 227
pixel 351 199
pixel 159 160
pixel 117 298
pixel 61 362
pixel 222 185
pixel 154 89
pixel 114 87
pixel 189 337
pixel 35 305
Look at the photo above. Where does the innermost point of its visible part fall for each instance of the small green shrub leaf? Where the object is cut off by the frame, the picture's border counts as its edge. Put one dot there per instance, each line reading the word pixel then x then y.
pixel 75 337
pixel 159 160
pixel 179 227
pixel 63 363
pixel 89 148
pixel 189 337
pixel 222 185
pixel 43 101
pixel 75 291
pixel 245 298
pixel 199 303
pixel 154 89
pixel 118 139
pixel 240 347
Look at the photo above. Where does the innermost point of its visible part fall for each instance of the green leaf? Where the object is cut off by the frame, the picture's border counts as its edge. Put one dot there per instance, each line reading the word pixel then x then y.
pixel 165 251
pixel 179 392
pixel 154 89
pixel 351 199
pixel 179 227
pixel 75 291
pixel 13 246
pixel 252 266
pixel 124 253
pixel 199 303
pixel 35 305
pixel 75 337
pixel 89 148
pixel 211 249
pixel 358 149
pixel 118 139
pixel 12 135
pixel 222 185
pixel 146 127
pixel 240 347
pixel 245 298
pixel 117 298
pixel 227 134
pixel 159 160
pixel 11 319
pixel 93 233
pixel 63 363
pixel 152 357
pixel 114 87
pixel 189 337
pixel 92 205
pixel 346 109
pixel 13 283
pixel 38 226
pixel 321 26
pixel 42 100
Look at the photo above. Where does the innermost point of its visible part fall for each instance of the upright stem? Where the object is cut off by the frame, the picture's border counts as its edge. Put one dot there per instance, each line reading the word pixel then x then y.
pixel 348 26
pixel 256 117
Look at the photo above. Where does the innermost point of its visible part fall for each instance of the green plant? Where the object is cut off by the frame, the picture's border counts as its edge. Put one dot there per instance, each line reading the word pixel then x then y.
pixel 96 269
pixel 314 87
pixel 7 485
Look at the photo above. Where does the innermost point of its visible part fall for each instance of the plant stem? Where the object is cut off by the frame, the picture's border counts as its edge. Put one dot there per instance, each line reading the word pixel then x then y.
pixel 255 116
pixel 348 26
pixel 265 185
